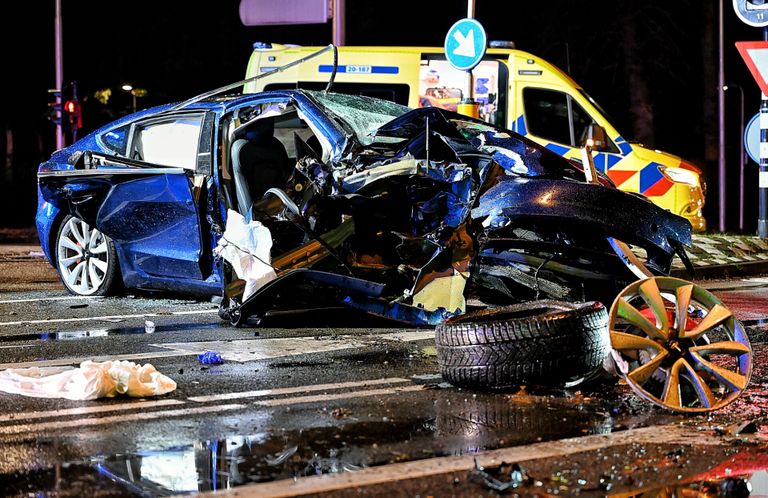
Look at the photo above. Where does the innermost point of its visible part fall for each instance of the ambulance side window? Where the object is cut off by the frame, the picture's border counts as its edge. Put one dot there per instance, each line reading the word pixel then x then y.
pixel 557 117
pixel 546 114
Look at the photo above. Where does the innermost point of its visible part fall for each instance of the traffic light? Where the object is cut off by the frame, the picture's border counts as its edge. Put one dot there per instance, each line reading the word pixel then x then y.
pixel 73 114
pixel 54 111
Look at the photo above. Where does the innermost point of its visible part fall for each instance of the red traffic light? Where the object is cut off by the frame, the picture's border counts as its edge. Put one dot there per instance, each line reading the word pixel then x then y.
pixel 70 106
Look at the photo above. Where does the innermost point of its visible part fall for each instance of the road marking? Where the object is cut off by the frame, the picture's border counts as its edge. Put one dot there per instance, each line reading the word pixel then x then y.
pixel 298 389
pixel 243 350
pixel 109 317
pixel 143 416
pixel 117 420
pixel 312 485
pixel 84 410
pixel 262 349
pixel 77 361
pixel 333 397
pixel 61 298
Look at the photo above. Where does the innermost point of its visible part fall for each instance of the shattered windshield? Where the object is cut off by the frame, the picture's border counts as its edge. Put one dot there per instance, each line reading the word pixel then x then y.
pixel 364 115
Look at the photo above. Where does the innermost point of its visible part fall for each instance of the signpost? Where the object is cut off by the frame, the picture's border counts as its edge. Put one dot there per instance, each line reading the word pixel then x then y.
pixel 465 46
pixel 269 12
pixel 755 54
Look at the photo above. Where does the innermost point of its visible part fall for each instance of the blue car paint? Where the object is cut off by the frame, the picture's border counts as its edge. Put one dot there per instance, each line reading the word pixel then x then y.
pixel 46 218
pixel 156 221
pixel 522 198
pixel 158 252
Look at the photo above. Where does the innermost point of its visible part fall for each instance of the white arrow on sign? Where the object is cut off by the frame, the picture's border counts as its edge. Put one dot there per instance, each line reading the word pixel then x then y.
pixel 466 43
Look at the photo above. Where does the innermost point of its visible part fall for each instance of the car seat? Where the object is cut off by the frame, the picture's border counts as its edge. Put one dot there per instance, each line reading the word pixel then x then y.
pixel 259 162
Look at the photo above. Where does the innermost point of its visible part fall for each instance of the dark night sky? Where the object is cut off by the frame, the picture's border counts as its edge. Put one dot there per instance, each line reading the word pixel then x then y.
pixel 176 49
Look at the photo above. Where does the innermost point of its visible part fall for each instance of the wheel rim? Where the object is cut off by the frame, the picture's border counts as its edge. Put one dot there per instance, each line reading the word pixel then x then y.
pixel 670 361
pixel 83 257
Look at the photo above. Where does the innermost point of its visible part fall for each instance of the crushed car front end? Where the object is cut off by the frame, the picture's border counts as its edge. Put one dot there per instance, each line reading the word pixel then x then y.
pixel 433 212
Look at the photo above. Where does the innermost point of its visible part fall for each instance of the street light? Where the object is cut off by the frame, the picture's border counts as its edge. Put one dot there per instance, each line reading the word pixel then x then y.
pixel 135 93
pixel 130 89
pixel 741 153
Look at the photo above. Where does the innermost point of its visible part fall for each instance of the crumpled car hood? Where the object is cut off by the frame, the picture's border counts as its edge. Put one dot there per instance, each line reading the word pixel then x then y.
pixel 439 206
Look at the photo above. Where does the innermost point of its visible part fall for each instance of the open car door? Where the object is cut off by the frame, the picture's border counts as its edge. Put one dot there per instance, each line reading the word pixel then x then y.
pixel 149 205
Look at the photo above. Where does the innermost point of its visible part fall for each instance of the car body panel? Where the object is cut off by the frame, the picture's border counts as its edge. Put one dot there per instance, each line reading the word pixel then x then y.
pixel 406 213
pixel 149 213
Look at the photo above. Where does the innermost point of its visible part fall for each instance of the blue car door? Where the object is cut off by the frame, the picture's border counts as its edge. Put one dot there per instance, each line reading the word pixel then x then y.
pixel 149 202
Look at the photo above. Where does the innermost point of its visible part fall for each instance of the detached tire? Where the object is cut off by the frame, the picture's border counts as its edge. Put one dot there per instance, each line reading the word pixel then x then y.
pixel 542 342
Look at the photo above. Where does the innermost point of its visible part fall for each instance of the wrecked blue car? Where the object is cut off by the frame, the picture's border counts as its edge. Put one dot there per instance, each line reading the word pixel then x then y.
pixel 295 199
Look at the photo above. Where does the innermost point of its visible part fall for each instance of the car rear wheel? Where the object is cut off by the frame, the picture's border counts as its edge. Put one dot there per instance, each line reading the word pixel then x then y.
pixel 542 342
pixel 86 258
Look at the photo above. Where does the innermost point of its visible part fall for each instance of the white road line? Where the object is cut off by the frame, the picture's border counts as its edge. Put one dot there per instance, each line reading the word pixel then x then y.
pixel 669 434
pixel 243 350
pixel 77 361
pixel 108 317
pixel 298 389
pixel 261 349
pixel 183 412
pixel 60 298
pixel 85 410
pixel 117 420
pixel 333 397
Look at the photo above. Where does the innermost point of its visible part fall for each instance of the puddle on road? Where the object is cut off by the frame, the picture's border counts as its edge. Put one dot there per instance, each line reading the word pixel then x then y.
pixel 457 424
pixel 70 335
pixel 239 460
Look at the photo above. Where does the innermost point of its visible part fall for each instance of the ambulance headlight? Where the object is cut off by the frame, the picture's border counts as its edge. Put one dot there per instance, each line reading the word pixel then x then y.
pixel 680 175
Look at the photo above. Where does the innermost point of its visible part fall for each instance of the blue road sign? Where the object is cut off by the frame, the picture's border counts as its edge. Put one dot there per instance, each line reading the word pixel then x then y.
pixel 752 138
pixel 465 44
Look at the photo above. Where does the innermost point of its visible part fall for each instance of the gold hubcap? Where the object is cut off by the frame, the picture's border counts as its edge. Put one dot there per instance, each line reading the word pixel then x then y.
pixel 660 333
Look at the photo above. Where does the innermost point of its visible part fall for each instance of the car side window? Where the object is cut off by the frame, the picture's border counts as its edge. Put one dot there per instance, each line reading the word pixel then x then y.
pixel 168 142
pixel 116 140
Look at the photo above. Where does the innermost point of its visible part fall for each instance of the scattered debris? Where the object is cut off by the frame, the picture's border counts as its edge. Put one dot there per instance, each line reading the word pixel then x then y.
pixel 339 413
pixel 745 427
pixel 79 306
pixel 514 473
pixel 210 358
pixel 281 457
pixel 149 327
pixel 734 487
pixel 92 380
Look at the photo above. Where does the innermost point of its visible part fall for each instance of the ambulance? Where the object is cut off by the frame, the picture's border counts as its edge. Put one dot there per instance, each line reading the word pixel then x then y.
pixel 515 89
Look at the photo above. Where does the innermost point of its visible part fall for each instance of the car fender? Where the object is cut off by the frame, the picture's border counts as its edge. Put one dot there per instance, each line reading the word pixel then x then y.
pixel 630 218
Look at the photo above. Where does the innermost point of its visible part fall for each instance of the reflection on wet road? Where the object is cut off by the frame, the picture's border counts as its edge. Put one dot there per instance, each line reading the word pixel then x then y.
pixel 311 401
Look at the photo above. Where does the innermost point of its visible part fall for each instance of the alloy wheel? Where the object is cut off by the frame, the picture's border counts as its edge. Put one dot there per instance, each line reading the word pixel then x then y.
pixel 83 257
pixel 678 346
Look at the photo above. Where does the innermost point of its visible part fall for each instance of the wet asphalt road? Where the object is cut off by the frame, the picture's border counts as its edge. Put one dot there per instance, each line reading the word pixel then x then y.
pixel 301 402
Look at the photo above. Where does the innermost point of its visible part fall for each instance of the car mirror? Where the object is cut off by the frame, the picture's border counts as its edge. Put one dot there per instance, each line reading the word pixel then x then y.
pixel 594 136
pixel 82 160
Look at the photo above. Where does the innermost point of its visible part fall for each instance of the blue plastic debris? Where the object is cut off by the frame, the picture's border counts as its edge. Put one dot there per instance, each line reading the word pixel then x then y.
pixel 210 358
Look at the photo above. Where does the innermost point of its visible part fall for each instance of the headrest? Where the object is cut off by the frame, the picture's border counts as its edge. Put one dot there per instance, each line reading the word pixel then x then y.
pixel 261 129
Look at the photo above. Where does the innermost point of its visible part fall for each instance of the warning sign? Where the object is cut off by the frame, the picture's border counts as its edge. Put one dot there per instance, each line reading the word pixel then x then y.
pixel 755 54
